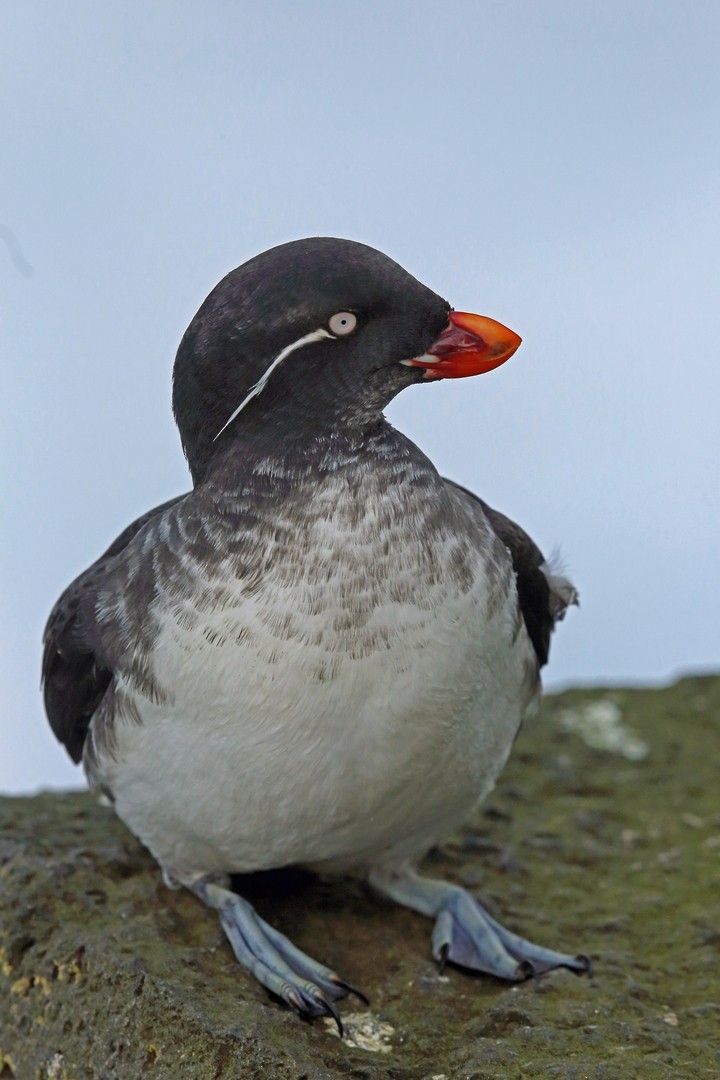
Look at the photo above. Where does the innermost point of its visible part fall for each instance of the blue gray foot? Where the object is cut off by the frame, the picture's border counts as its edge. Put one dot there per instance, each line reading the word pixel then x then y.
pixel 305 985
pixel 466 935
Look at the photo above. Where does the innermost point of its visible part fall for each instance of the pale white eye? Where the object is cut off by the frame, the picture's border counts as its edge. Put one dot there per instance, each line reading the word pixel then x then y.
pixel 343 323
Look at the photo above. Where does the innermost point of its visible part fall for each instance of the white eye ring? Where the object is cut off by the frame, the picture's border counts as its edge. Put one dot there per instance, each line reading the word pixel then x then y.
pixel 342 324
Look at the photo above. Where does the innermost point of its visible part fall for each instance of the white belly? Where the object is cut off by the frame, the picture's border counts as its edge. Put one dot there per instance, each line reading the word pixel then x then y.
pixel 361 711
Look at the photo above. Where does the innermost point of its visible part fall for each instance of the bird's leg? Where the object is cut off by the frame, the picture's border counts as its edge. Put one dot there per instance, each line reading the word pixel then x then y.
pixel 465 934
pixel 307 986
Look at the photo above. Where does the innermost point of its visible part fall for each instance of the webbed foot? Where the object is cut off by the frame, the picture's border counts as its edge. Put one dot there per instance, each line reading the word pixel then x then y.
pixel 466 935
pixel 305 985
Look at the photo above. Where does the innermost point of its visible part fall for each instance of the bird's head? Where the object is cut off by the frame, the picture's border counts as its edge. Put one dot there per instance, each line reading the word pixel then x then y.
pixel 316 335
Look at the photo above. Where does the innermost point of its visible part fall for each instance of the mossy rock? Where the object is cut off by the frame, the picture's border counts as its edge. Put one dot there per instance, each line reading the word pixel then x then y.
pixel 603 836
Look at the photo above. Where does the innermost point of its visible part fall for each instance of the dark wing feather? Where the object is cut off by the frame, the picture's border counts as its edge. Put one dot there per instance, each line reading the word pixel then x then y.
pixel 543 596
pixel 75 671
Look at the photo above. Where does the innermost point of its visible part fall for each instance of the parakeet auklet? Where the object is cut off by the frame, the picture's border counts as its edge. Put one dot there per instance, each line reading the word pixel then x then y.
pixel 321 655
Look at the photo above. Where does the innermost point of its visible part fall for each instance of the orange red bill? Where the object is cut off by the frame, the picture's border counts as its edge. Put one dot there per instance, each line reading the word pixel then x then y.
pixel 469 345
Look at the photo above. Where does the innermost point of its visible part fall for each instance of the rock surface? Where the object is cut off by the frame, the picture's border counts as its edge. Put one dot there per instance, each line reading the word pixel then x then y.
pixel 602 836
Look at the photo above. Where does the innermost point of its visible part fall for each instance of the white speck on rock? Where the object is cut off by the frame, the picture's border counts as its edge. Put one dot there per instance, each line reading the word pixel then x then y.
pixel 600 725
pixel 364 1031
pixel 54 1067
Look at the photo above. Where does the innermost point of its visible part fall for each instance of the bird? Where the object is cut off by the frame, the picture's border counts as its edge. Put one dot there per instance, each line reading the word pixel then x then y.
pixel 321 654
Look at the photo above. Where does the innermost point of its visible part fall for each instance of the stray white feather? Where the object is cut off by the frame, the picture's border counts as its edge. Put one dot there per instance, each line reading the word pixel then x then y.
pixel 316 335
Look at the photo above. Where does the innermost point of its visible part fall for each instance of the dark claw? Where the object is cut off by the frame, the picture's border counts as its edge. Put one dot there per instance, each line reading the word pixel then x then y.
pixel 310 1006
pixel 582 958
pixel 527 970
pixel 332 1011
pixel 350 989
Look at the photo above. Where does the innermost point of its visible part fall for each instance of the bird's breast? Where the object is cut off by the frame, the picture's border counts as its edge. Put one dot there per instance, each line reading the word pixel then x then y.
pixel 332 677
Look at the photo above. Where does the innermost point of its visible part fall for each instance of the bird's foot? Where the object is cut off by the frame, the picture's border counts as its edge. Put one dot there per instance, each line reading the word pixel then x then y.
pixel 305 985
pixel 466 935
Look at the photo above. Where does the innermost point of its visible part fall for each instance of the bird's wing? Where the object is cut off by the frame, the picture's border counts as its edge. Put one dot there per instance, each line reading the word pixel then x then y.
pixel 544 593
pixel 76 671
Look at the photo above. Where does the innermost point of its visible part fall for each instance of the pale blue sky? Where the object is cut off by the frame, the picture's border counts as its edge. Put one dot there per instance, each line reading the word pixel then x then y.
pixel 554 165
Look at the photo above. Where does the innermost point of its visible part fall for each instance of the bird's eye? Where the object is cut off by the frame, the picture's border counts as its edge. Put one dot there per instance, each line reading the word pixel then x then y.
pixel 343 323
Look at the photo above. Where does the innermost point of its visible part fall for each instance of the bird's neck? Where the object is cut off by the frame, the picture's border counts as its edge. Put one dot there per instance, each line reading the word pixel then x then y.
pixel 293 456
